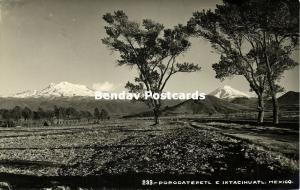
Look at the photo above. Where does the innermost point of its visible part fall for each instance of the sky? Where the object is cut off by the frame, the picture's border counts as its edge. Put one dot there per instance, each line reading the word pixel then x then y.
pixel 44 41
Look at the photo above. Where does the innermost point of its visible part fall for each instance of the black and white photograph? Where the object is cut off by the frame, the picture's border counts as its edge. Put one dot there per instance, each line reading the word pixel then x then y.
pixel 149 94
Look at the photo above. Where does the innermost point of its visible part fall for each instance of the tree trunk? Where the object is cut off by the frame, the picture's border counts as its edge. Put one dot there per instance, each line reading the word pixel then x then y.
pixel 156 116
pixel 273 93
pixel 274 101
pixel 261 110
pixel 275 108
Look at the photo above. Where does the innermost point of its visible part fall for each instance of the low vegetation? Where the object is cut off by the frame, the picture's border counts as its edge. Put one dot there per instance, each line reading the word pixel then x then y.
pixel 57 116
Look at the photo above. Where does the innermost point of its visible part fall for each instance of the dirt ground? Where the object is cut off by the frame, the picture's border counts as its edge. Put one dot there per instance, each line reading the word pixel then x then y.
pixel 135 147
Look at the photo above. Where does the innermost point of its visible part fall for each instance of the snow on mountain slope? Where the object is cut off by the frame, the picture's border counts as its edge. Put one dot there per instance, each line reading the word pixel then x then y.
pixel 227 92
pixel 62 89
pixel 66 89
pixel 25 94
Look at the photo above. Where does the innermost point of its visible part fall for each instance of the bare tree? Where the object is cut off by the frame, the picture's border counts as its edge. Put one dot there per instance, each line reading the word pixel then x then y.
pixel 149 48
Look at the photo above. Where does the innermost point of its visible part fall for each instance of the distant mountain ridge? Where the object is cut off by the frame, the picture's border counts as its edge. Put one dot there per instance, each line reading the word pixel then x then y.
pixel 67 89
pixel 290 97
pixel 287 102
pixel 227 92
pixel 62 89
pixel 210 105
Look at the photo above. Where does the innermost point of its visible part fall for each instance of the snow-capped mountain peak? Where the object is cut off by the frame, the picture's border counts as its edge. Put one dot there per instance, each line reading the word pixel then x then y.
pixel 227 92
pixel 62 89
pixel 27 93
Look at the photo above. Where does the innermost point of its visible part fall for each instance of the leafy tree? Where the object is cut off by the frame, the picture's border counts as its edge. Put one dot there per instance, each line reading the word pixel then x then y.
pixel 36 115
pixel 59 112
pixel 56 112
pixel 97 113
pixel 228 41
pixel 1 112
pixel 104 114
pixel 62 112
pixel 6 114
pixel 273 26
pixel 16 113
pixel 41 113
pixel 85 114
pixel 49 114
pixel 88 114
pixel 82 114
pixel 251 43
pixel 149 48
pixel 71 113
pixel 27 113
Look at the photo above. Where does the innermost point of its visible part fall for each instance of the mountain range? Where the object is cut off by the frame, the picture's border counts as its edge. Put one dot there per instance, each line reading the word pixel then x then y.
pixel 67 89
pixel 289 98
pixel 222 100
pixel 62 89
pixel 210 105
pixel 227 92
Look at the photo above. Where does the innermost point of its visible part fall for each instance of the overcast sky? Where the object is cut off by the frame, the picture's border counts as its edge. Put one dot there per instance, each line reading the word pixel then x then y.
pixel 44 41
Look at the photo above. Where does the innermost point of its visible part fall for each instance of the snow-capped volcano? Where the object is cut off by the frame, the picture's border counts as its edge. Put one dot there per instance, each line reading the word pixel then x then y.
pixel 62 89
pixel 27 93
pixel 227 92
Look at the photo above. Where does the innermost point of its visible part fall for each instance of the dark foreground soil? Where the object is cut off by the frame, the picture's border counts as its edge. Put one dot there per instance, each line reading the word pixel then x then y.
pixel 123 154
